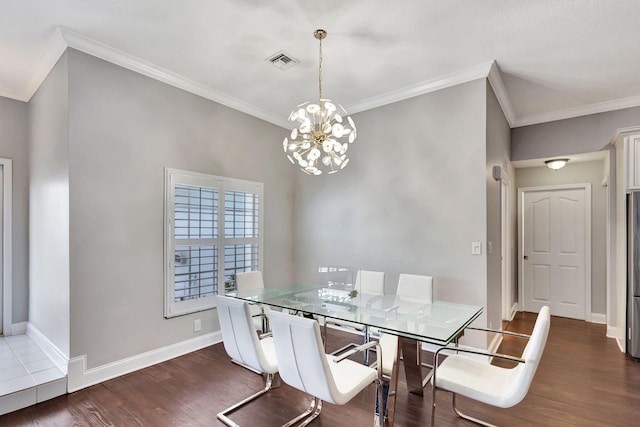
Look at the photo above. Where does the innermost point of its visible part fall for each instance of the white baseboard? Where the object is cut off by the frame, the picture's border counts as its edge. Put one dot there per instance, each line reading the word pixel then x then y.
pixel 513 311
pixel 19 328
pixel 600 318
pixel 55 354
pixel 80 377
pixel 495 343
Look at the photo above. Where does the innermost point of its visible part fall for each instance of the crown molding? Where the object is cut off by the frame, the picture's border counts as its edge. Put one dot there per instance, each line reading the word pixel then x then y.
pixel 52 51
pixel 476 72
pixel 569 113
pixel 48 58
pixel 130 62
pixel 64 37
pixel 500 90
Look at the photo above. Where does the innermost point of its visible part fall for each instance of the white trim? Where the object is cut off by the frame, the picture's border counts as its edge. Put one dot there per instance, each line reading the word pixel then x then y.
pixel 7 246
pixel 588 285
pixel 130 62
pixel 64 37
pixel 612 332
pixel 494 345
pixel 584 110
pixel 600 318
pixel 48 58
pixel 79 376
pixel 500 90
pixel 514 310
pixel 55 354
pixel 19 328
pixel 477 72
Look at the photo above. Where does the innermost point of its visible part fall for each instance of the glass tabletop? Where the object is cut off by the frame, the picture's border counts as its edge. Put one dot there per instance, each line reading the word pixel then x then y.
pixel 438 322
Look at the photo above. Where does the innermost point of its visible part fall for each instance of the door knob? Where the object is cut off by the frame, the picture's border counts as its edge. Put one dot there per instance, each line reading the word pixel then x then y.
pixel 526 257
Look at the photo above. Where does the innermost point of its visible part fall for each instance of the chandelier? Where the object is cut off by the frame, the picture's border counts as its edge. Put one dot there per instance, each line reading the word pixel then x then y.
pixel 321 137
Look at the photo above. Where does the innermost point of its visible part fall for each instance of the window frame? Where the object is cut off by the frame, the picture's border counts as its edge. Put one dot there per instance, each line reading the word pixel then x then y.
pixel 174 177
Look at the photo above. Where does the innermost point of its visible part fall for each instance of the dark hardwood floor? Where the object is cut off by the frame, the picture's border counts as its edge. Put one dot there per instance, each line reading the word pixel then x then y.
pixel 583 380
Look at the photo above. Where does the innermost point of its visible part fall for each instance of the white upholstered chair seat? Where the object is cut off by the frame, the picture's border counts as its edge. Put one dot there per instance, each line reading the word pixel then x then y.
pixel 480 381
pixel 350 378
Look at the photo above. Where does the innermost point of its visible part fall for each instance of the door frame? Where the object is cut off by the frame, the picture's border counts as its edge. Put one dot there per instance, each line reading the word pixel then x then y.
pixel 6 166
pixel 587 239
pixel 509 307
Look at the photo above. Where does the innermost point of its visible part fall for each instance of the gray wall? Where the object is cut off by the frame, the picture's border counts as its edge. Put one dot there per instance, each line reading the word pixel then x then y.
pixel 49 207
pixel 498 147
pixel 573 173
pixel 124 129
pixel 584 134
pixel 13 145
pixel 412 199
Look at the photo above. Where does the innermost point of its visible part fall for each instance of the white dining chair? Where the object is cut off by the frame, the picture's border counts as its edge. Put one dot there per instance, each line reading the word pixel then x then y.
pixel 305 366
pixel 415 288
pixel 370 283
pixel 248 281
pixel 245 347
pixel 480 380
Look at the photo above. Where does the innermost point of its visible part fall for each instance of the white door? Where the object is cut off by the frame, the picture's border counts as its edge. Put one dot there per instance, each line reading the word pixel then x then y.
pixel 555 231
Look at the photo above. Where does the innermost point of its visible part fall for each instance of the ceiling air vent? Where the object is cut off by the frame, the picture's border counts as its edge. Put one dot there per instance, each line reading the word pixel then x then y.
pixel 282 60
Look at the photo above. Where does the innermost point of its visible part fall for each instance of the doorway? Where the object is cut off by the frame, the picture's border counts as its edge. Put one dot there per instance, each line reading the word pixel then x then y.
pixel 555 251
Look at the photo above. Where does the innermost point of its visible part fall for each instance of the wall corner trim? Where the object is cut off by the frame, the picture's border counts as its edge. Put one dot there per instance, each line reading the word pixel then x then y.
pixel 495 79
pixel 57 355
pixel 80 377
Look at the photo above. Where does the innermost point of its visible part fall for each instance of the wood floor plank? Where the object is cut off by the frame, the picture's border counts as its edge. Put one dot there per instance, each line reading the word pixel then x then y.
pixel 583 380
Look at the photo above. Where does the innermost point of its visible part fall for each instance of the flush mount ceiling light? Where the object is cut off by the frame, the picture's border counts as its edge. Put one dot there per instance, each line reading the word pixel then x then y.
pixel 321 136
pixel 556 164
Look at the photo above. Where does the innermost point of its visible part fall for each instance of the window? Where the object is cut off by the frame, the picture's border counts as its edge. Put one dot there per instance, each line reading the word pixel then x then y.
pixel 213 230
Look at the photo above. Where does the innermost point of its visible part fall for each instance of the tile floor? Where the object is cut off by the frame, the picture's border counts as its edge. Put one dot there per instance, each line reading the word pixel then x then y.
pixel 27 374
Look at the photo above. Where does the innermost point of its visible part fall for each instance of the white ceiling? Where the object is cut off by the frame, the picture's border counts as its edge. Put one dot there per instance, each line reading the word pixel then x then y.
pixel 557 58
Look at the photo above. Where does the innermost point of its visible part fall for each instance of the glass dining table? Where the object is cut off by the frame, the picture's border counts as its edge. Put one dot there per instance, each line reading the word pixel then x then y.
pixel 439 323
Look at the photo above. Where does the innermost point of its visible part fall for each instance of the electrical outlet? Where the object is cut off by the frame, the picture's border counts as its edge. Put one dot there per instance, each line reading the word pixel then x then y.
pixel 197 325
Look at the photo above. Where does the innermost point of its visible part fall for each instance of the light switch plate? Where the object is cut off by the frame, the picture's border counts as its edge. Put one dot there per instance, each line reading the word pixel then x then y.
pixel 476 248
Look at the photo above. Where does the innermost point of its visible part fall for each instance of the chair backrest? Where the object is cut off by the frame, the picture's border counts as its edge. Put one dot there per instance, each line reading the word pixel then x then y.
pixel 524 372
pixel 370 282
pixel 415 288
pixel 335 276
pixel 249 280
pixel 239 336
pixel 301 357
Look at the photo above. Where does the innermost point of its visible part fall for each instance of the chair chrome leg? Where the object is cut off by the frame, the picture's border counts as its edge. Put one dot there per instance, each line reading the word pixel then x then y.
pixel 308 415
pixel 467 417
pixel 222 416
pixel 382 404
pixel 433 400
